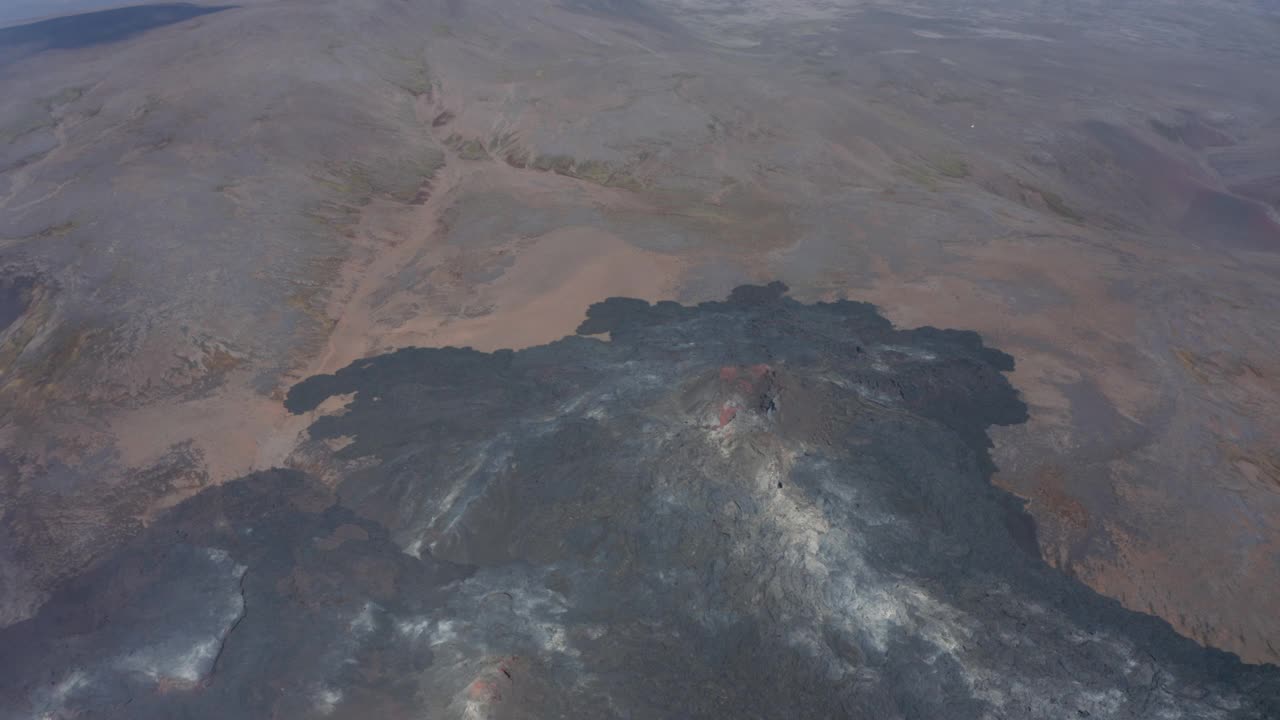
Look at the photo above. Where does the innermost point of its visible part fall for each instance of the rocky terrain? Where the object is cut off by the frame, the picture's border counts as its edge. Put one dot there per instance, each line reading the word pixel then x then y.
pixel 751 508
pixel 210 215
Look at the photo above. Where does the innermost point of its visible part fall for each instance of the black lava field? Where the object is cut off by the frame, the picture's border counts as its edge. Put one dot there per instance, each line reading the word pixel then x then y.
pixel 755 508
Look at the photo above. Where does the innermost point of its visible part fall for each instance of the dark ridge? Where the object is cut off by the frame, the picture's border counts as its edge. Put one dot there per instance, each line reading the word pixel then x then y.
pixel 1191 131
pixel 15 296
pixel 1223 220
pixel 95 28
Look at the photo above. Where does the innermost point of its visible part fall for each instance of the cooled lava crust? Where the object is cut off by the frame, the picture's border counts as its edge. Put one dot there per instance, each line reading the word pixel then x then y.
pixel 755 508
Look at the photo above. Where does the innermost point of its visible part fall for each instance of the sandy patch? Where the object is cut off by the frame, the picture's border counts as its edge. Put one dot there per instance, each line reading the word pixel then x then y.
pixel 546 293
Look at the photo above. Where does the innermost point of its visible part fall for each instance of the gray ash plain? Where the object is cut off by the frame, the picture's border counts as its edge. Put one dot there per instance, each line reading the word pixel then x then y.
pixel 748 508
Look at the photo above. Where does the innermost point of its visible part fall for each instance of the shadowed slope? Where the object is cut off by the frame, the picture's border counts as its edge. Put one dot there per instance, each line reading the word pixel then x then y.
pixel 94 28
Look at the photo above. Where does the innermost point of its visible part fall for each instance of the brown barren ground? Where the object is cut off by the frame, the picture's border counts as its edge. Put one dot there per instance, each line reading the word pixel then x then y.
pixel 195 217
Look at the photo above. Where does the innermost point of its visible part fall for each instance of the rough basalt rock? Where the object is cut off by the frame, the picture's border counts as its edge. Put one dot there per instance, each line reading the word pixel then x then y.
pixel 750 508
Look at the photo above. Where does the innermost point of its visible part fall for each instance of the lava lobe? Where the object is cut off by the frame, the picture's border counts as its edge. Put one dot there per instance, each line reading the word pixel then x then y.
pixel 749 508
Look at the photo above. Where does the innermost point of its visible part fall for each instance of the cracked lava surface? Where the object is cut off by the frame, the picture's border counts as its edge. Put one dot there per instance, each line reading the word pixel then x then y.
pixel 754 507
